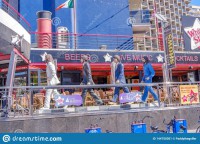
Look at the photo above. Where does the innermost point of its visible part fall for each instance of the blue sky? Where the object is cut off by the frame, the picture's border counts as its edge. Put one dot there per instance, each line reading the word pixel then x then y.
pixel 195 2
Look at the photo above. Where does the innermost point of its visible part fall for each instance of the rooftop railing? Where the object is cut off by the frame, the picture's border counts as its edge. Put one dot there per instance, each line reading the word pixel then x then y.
pixel 89 41
pixel 15 14
pixel 82 41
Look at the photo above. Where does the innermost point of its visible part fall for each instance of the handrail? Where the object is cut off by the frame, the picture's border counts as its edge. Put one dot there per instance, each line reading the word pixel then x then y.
pixel 100 85
pixel 103 35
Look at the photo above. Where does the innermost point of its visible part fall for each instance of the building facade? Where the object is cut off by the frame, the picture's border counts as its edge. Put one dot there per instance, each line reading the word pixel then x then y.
pixel 195 11
pixel 149 37
pixel 134 26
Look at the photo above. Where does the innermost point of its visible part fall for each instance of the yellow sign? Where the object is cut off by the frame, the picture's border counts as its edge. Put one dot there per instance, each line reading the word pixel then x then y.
pixel 189 94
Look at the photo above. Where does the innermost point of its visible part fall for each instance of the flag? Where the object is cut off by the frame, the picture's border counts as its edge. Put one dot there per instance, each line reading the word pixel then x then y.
pixel 67 4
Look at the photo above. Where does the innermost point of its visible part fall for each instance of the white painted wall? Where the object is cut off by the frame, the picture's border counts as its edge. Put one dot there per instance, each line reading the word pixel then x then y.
pixel 11 23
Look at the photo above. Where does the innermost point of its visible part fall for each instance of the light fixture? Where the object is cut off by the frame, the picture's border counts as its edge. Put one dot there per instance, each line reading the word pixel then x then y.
pixel 135 68
pixel 190 67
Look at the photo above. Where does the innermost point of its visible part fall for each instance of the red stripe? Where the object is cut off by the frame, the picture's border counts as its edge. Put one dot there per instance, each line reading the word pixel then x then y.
pixel 60 6
pixel 108 64
pixel 4 57
pixel 20 54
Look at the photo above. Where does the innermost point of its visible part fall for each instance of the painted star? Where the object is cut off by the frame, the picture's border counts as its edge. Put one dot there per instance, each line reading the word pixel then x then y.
pixel 193 33
pixel 184 98
pixel 107 57
pixel 138 98
pixel 160 58
pixel 60 100
pixel 43 56
pixel 192 96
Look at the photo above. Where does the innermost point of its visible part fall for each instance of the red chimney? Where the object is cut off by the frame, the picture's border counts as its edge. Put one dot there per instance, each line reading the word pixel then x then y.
pixel 44 38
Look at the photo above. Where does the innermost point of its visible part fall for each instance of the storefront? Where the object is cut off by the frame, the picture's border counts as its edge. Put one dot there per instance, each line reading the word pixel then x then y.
pixel 69 66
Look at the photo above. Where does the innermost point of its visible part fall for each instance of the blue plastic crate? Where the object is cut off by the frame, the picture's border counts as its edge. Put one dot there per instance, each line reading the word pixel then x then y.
pixel 177 124
pixel 139 128
pixel 93 130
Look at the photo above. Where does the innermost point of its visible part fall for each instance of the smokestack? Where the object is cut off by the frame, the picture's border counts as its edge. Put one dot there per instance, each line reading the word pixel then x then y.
pixel 44 39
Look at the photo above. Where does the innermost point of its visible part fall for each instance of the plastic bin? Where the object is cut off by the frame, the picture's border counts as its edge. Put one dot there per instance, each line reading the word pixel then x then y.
pixel 138 128
pixel 177 124
pixel 93 130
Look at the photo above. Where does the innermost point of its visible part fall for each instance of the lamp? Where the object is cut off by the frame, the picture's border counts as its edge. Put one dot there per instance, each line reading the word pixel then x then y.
pixel 135 68
pixel 190 67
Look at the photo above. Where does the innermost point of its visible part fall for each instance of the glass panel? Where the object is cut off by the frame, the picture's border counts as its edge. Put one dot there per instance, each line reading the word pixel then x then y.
pixel 34 78
pixel 43 78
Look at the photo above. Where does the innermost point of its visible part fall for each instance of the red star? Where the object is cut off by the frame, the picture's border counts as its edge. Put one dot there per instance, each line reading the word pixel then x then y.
pixel 192 96
pixel 137 97
pixel 60 100
pixel 184 98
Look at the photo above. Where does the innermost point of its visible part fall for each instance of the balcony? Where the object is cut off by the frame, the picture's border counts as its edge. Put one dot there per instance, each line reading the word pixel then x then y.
pixel 12 23
pixel 144 4
pixel 151 7
pixel 153 26
pixel 140 20
pixel 167 6
pixel 161 4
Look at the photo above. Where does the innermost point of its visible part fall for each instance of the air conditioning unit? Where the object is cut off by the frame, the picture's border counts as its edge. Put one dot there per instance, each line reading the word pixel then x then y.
pixel 63 38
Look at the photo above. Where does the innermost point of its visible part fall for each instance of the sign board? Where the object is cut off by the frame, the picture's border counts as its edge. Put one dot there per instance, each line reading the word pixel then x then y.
pixel 130 97
pixel 63 100
pixel 191 33
pixel 103 57
pixel 169 48
pixel 189 94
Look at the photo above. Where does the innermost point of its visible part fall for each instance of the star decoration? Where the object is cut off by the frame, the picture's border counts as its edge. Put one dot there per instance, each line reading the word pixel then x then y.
pixel 43 56
pixel 137 97
pixel 193 33
pixel 60 101
pixel 192 96
pixel 107 57
pixel 160 58
pixel 184 98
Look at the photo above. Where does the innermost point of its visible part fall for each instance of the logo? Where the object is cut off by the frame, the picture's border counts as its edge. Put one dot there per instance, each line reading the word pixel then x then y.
pixel 160 58
pixel 194 33
pixel 56 21
pixel 6 138
pixel 107 57
pixel 130 21
pixel 94 58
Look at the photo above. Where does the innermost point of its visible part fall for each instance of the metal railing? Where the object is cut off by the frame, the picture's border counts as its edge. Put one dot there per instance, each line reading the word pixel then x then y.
pixel 90 41
pixel 25 100
pixel 15 14
pixel 82 41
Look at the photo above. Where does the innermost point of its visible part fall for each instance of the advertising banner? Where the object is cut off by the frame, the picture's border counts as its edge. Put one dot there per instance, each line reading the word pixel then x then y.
pixel 191 33
pixel 130 97
pixel 189 94
pixel 74 56
pixel 169 48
